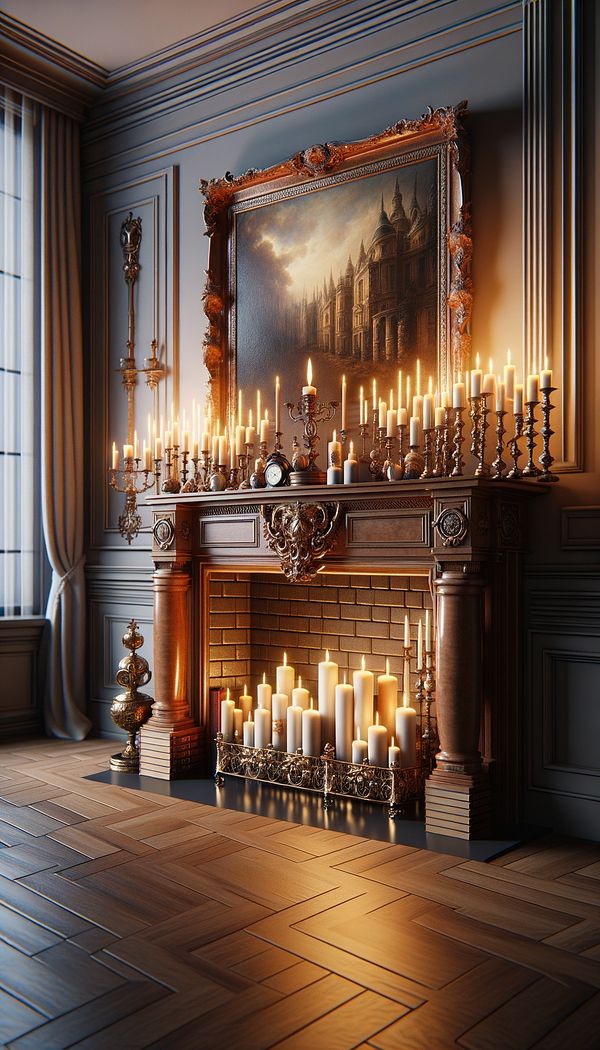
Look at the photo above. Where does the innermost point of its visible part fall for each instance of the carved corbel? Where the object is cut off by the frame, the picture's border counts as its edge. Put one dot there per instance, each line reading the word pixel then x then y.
pixel 301 535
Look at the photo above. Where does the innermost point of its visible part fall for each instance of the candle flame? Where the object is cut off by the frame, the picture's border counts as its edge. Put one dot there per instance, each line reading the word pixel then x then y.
pixel 546 362
pixel 358 732
pixel 362 662
pixel 387 665
pixel 264 677
pixel 228 692
pixel 345 678
pixel 311 703
pixel 477 361
pixel 351 447
pixel 309 373
pixel 327 655
pixel 285 659
pixel 418 377
pixel 299 681
pixel 509 356
pixel 393 741
pixel 430 386
pixel 377 719
pixel 335 435
pixel 245 689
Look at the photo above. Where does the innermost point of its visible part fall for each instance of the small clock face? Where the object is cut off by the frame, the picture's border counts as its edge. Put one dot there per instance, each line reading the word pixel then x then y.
pixel 274 473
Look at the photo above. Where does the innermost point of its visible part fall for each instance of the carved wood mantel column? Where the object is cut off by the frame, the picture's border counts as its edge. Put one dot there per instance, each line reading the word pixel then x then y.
pixel 457 792
pixel 170 742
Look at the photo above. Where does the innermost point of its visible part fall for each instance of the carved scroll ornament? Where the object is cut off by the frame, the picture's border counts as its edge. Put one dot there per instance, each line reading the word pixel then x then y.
pixel 301 535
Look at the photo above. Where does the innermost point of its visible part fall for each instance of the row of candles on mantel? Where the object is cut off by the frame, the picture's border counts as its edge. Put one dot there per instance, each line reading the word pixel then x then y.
pixel 222 455
pixel 345 714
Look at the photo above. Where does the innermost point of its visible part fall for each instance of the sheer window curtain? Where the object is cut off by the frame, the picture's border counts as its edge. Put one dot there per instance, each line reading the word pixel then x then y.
pixel 62 432
pixel 18 402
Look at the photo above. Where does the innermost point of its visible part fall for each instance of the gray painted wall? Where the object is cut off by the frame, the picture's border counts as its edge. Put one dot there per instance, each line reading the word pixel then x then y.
pixel 341 75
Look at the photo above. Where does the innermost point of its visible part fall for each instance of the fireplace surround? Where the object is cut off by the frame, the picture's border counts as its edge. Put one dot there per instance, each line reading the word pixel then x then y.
pixel 466 536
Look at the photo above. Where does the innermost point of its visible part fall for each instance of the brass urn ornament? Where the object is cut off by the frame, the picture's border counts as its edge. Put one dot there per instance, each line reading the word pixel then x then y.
pixel 131 709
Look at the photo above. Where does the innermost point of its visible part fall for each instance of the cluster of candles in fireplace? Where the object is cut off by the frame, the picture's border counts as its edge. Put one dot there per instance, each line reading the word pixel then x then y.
pixel 346 715
pixel 410 435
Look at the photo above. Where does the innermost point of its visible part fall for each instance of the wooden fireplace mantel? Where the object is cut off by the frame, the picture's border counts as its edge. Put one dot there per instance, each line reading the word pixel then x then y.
pixel 468 532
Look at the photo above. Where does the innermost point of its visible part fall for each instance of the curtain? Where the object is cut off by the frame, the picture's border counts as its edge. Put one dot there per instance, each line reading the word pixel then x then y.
pixel 62 432
pixel 18 403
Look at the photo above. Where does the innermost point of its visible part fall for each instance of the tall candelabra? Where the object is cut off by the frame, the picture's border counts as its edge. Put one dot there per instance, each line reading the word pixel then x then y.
pixel 133 481
pixel 310 412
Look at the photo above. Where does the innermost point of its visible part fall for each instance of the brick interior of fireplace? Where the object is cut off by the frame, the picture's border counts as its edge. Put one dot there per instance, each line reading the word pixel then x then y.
pixel 254 617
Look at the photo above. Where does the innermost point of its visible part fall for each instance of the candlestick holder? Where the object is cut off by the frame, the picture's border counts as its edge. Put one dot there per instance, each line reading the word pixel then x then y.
pixel 414 464
pixel 245 479
pixel 205 471
pixel 429 734
pixel 218 479
pixel 482 469
pixel 184 466
pixel 377 454
pixel 457 455
pixel 474 411
pixel 233 478
pixel 343 436
pixel 393 471
pixel 530 470
pixel 427 453
pixel 132 481
pixel 193 482
pixel 420 694
pixel 446 444
pixel 171 484
pixel 310 412
pixel 401 440
pixel 546 459
pixel 515 452
pixel 499 465
pixel 438 451
pixel 257 477
pixel 364 463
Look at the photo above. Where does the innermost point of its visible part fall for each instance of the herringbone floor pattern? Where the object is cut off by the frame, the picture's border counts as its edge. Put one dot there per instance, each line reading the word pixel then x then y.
pixel 136 920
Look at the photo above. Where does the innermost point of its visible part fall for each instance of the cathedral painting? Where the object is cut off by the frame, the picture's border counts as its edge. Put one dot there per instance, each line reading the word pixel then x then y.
pixel 348 275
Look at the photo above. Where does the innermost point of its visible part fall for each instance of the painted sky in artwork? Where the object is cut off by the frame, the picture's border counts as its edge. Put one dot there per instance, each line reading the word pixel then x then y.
pixel 296 243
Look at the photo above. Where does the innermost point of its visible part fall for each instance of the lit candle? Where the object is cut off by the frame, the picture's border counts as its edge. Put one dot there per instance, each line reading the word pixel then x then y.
pixel 546 377
pixel 377 744
pixel 361 398
pixel 510 375
pixel 195 450
pixel 222 450
pixel 428 412
pixel 248 733
pixel 328 679
pixel 258 417
pixel 240 439
pixel 300 696
pixel 250 430
pixel 382 414
pixel 311 731
pixel 400 402
pixel 415 432
pixel 359 748
pixel 518 401
pixel 147 457
pixel 391 422
pixel 176 432
pixel 489 380
pixel 284 678
pixel 387 695
pixel 227 709
pixel 500 396
pixel 186 441
pixel 418 375
pixel 115 456
pixel 279 727
pixel 214 450
pixel 245 703
pixel 406 732
pixel 420 663
pixel 374 389
pixel 476 379
pixel 238 721
pixel 334 453
pixel 264 429
pixel 294 728
pixel 402 417
pixel 406 632
pixel 344 721
pixel 393 754
pixel 351 467
pixel 364 688
pixel 417 406
pixel 262 727
pixel 264 693
pixel 309 388
pixel 427 631
pixel 458 394
pixel 158 448
pixel 344 393
pixel 127 451
pixel 533 393
pixel 240 413
pixel 439 417
pixel 205 439
pixel 277 405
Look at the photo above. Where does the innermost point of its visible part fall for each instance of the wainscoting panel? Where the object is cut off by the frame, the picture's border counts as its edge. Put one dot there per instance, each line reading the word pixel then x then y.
pixel 563 700
pixel 21 674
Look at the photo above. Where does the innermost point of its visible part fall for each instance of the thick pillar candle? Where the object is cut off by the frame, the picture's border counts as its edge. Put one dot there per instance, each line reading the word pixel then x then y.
pixel 248 733
pixel 328 679
pixel 245 703
pixel 280 706
pixel 377 744
pixel 359 748
pixel 394 756
pixel 311 732
pixel 285 677
pixel 387 696
pixel 227 709
pixel 294 728
pixel 300 696
pixel 406 732
pixel 238 721
pixel 364 689
pixel 264 693
pixel 262 727
pixel 344 721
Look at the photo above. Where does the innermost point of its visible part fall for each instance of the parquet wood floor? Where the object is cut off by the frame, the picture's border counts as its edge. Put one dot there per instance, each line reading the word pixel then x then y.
pixel 142 921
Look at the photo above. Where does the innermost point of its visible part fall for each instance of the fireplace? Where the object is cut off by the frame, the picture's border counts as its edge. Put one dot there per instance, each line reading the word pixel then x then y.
pixel 225 613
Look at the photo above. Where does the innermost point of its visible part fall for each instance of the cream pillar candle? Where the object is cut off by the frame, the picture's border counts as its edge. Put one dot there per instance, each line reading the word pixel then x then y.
pixel 420 663
pixel 428 414
pixel 344 398
pixel 311 731
pixel 227 709
pixel 391 422
pixel 245 702
pixel 294 728
pixel 406 732
pixel 351 467
pixel 328 679
pixel 387 696
pixel 344 721
pixel 127 451
pixel 427 631
pixel 262 727
pixel 476 377
pixel 279 727
pixel 222 450
pixel 415 432
pixel 500 397
pixel 284 678
pixel 402 417
pixel 393 754
pixel 158 448
pixel 364 689
pixel 489 381
pixel 439 417
pixel 264 693
pixel 546 377
pixel 406 632
pixel 300 696
pixel 277 405
pixel 264 430
pixel 248 733
pixel 377 744
pixel 533 388
pixel 240 439
pixel 518 401
pixel 238 722
pixel 382 414
pixel 510 373
pixel 359 748
pixel 458 395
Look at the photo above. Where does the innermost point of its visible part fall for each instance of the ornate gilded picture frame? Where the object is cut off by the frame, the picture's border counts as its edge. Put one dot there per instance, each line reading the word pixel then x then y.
pixel 355 254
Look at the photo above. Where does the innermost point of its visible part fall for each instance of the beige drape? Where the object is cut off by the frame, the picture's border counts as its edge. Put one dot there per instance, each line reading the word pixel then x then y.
pixel 63 424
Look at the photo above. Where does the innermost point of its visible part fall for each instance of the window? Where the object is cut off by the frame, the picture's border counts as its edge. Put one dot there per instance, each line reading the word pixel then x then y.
pixel 19 369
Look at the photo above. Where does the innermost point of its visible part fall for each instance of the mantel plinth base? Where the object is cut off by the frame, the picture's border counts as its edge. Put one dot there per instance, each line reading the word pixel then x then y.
pixel 168 753
pixel 457 804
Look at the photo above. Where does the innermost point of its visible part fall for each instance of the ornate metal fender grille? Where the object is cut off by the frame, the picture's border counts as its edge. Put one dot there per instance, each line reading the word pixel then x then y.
pixel 301 535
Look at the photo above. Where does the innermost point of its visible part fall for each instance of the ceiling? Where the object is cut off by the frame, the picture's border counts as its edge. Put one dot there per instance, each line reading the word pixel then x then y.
pixel 113 33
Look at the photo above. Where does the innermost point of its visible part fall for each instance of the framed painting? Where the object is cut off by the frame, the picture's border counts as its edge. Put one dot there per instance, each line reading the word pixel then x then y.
pixel 355 255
